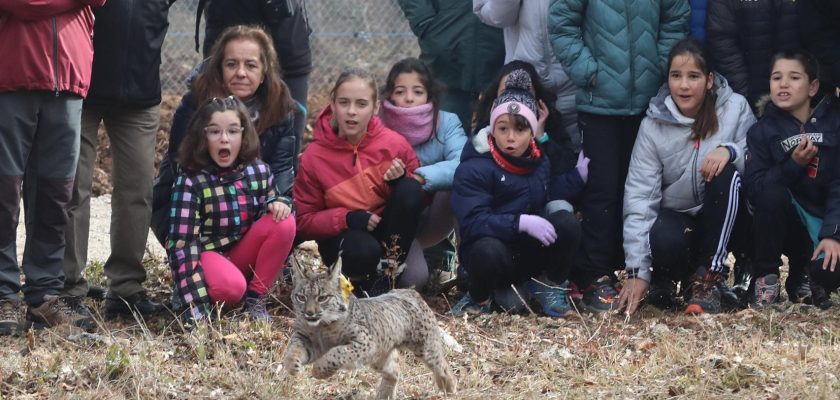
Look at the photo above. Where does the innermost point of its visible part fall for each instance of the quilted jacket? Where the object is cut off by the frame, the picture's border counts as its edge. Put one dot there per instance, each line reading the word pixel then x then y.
pixel 623 44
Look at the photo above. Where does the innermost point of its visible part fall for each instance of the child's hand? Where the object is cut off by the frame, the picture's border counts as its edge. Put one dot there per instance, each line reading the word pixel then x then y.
pixel 279 210
pixel 396 170
pixel 831 249
pixel 714 163
pixel 582 167
pixel 538 228
pixel 543 117
pixel 632 294
pixel 804 151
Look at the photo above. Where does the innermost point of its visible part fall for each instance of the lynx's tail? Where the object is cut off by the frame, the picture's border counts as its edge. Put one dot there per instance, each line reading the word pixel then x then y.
pixel 450 341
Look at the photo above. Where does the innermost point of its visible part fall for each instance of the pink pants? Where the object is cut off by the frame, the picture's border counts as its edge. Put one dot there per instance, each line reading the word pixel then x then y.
pixel 259 255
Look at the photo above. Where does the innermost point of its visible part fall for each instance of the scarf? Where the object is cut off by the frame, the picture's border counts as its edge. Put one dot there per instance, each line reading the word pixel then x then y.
pixel 415 123
pixel 524 164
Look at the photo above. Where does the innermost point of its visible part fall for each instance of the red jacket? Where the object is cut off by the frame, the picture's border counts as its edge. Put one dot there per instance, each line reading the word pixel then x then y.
pixel 46 45
pixel 336 177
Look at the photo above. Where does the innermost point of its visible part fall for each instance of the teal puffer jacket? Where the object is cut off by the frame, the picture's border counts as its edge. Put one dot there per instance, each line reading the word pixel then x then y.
pixel 616 51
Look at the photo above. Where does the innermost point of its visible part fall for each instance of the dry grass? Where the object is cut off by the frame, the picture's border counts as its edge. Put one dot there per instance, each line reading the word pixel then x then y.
pixel 786 352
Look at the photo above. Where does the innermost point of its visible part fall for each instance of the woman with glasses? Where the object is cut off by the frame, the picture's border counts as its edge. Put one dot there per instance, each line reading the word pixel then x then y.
pixel 242 64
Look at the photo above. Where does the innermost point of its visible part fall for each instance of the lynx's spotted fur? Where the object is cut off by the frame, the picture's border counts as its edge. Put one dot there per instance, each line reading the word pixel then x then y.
pixel 333 331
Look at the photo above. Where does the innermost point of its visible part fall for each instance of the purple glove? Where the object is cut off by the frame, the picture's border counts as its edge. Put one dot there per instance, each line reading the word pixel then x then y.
pixel 582 167
pixel 538 228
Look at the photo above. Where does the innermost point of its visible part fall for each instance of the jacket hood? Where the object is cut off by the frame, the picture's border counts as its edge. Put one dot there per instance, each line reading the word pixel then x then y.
pixel 658 108
pixel 324 134
pixel 479 147
pixel 767 108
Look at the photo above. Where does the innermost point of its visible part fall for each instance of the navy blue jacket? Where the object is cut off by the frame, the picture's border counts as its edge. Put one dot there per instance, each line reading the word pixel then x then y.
pixel 487 200
pixel 770 143
pixel 697 23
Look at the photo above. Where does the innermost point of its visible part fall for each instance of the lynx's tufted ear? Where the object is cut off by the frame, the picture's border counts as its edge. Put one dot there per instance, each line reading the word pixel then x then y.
pixel 334 272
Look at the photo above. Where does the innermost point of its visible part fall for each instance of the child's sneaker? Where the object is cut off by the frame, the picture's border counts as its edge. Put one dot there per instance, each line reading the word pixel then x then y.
pixel 254 306
pixel 663 294
pixel 705 295
pixel 766 290
pixel 601 295
pixel 553 299
pixel 466 306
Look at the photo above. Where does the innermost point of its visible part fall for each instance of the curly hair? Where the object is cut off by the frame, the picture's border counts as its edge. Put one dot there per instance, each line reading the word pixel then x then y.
pixel 274 96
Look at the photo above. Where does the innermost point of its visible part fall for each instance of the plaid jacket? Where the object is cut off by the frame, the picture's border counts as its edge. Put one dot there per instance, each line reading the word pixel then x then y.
pixel 212 210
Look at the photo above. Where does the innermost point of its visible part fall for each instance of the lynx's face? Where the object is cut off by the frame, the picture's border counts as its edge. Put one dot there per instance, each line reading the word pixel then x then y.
pixel 317 298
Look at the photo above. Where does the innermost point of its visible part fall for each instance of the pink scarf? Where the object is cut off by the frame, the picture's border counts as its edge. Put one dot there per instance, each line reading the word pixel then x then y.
pixel 415 123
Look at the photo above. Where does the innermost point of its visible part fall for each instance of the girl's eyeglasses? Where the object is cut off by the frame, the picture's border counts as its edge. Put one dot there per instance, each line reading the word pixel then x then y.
pixel 215 132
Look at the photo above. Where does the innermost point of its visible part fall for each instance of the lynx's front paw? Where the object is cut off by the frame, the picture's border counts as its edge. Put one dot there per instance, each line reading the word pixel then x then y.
pixel 323 369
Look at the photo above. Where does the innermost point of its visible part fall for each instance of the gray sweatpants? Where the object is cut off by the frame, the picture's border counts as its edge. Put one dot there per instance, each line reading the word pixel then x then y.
pixel 39 133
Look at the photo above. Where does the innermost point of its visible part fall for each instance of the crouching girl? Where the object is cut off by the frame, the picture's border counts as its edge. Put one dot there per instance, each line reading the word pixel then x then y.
pixel 682 194
pixel 499 198
pixel 229 234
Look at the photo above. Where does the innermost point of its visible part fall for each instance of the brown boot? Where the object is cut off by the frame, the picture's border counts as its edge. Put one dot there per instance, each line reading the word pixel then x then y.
pixel 55 311
pixel 9 310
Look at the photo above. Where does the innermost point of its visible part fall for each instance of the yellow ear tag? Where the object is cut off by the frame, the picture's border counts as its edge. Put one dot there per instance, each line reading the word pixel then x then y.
pixel 346 287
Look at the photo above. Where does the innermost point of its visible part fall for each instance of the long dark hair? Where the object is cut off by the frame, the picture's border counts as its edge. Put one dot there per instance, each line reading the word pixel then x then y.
pixel 485 102
pixel 706 121
pixel 275 99
pixel 434 88
pixel 193 153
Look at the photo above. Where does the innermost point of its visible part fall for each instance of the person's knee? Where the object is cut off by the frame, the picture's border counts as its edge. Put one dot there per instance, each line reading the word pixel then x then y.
pixel 486 255
pixel 667 235
pixel 724 180
pixel 225 284
pixel 284 228
pixel 771 199
pixel 360 254
pixel 566 226
pixel 408 193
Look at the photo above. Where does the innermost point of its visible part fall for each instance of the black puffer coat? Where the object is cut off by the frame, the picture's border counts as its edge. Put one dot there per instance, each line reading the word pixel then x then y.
pixel 743 36
pixel 819 24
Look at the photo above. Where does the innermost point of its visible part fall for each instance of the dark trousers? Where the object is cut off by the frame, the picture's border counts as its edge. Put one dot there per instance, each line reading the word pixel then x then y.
pixel 39 134
pixel 779 230
pixel 495 264
pixel 608 142
pixel 361 251
pixel 680 242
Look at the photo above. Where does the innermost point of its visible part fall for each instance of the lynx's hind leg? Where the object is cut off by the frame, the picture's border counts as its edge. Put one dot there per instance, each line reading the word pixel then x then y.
pixel 389 367
pixel 433 355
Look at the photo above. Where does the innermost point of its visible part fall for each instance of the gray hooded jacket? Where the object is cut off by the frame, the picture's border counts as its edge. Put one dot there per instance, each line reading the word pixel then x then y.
pixel 665 166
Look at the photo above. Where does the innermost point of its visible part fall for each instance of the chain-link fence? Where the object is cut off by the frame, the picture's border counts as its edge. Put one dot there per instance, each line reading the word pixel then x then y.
pixel 371 34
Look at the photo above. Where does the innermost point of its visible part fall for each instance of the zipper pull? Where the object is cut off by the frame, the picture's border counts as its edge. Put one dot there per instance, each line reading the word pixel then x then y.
pixel 696 144
pixel 355 155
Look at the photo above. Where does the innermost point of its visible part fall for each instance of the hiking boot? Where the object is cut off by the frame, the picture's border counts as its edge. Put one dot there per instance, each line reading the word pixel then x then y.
pixel 705 295
pixel 729 300
pixel 799 290
pixel 766 290
pixel 466 306
pixel 96 292
pixel 600 296
pixel 254 306
pixel 9 311
pixel 663 294
pixel 77 304
pixel 820 297
pixel 57 310
pixel 126 306
pixel 552 298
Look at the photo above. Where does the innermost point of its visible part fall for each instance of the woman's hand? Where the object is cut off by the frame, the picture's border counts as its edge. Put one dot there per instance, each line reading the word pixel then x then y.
pixel 396 170
pixel 632 294
pixel 543 110
pixel 804 151
pixel 714 163
pixel 831 249
pixel 279 210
